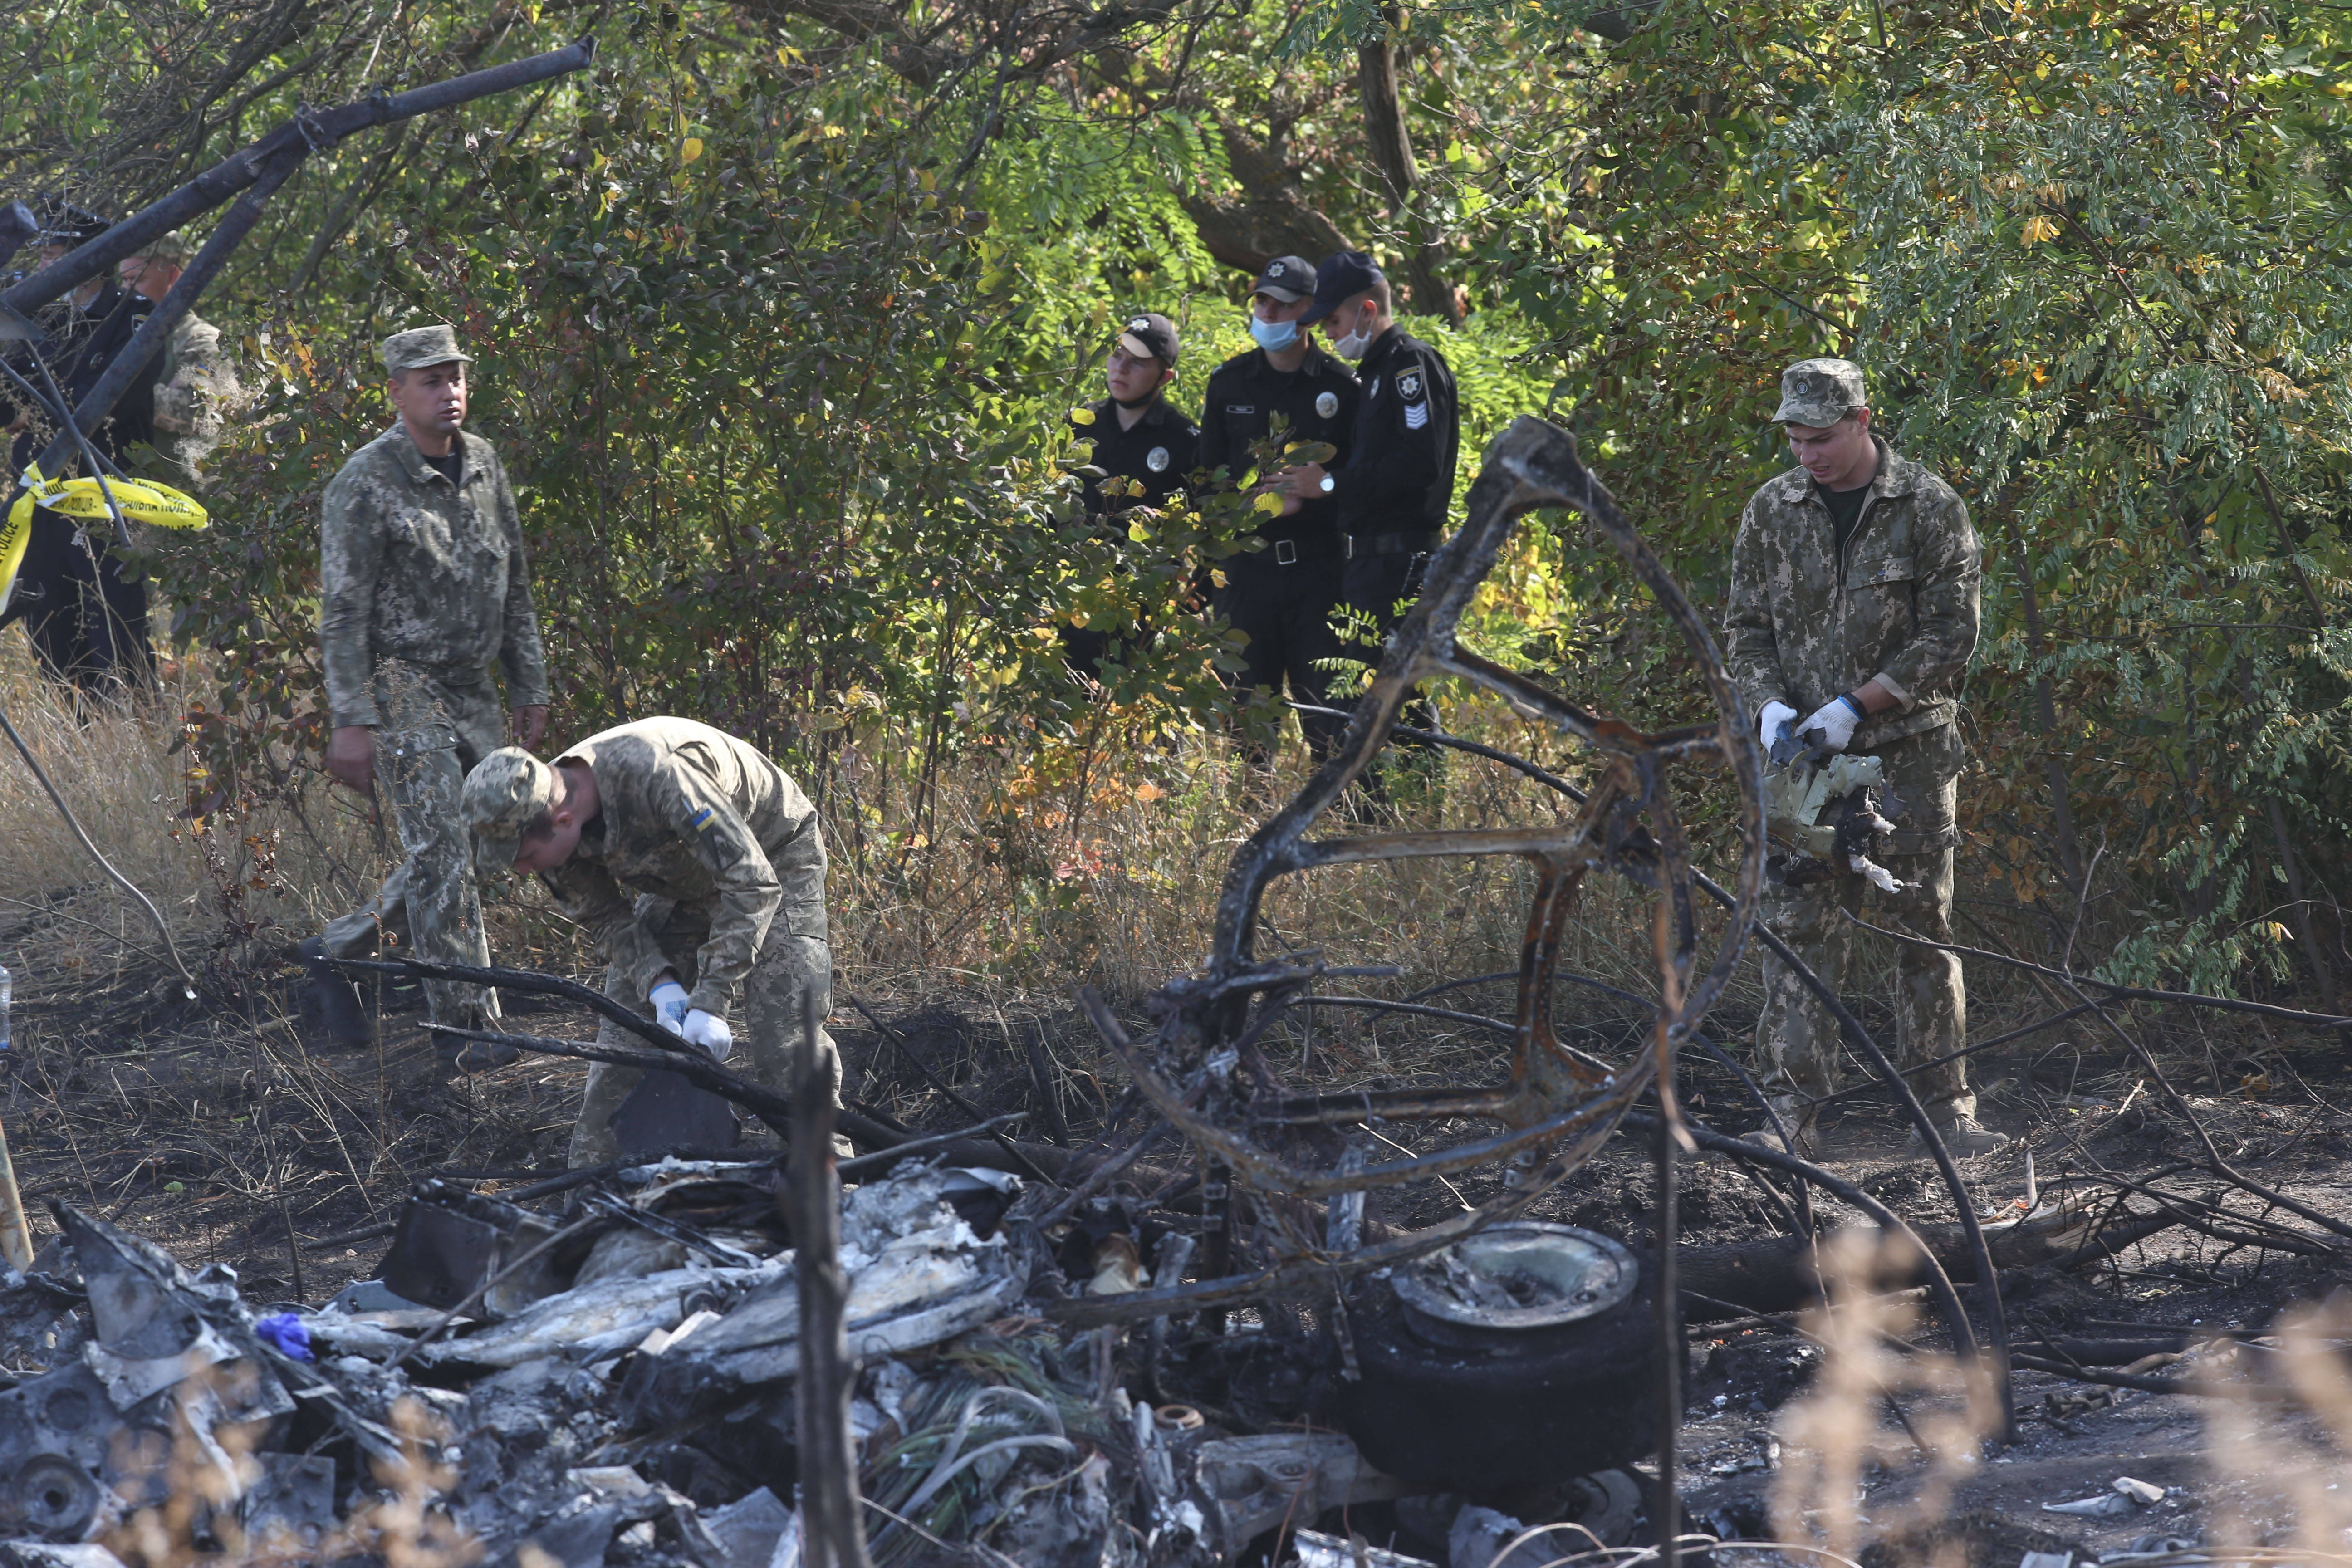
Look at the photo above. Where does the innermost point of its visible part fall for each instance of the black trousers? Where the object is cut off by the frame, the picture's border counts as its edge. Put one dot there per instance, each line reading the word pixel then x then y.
pixel 1286 612
pixel 1383 587
pixel 86 619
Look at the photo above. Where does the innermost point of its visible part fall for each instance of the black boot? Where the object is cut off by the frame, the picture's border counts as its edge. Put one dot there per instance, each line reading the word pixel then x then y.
pixel 463 1058
pixel 332 1014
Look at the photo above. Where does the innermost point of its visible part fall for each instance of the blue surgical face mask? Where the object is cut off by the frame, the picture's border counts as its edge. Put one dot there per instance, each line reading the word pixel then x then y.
pixel 1274 335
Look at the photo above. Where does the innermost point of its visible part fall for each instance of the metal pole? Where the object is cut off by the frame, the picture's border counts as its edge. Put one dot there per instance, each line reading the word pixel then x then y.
pixel 305 131
pixel 100 401
pixel 831 1525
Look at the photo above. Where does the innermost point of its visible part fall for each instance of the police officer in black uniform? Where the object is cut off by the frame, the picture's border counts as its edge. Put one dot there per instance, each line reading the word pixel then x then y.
pixel 1396 479
pixel 1137 436
pixel 84 614
pixel 1282 596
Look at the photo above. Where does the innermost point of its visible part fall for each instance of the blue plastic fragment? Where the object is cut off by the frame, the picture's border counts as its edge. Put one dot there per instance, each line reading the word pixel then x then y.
pixel 286 1330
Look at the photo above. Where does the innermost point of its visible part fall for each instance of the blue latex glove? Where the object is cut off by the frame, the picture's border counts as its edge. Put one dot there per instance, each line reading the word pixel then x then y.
pixel 670 1006
pixel 286 1330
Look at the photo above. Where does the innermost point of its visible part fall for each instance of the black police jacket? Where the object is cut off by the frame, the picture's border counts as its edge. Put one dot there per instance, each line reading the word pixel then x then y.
pixel 1319 399
pixel 86 341
pixel 1160 453
pixel 1398 476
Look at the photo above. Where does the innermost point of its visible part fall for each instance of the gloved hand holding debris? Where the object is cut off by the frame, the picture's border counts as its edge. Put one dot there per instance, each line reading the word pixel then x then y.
pixel 1837 720
pixel 709 1031
pixel 669 1006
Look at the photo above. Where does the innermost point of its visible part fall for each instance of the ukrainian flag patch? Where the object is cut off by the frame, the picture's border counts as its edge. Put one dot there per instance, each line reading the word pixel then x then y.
pixel 702 820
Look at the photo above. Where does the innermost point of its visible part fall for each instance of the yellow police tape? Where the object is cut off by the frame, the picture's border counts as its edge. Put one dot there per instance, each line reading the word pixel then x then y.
pixel 84 501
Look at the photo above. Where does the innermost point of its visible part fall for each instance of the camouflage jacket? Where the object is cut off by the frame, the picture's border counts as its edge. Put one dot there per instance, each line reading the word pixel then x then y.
pixel 1805 626
pixel 414 569
pixel 694 816
pixel 194 384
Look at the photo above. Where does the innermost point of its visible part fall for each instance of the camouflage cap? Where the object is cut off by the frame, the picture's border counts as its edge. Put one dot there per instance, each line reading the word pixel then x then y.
pixel 171 248
pixel 1818 392
pixel 505 792
pixel 420 346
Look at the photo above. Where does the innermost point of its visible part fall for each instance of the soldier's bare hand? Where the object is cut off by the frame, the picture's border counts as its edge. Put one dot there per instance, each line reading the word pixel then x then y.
pixel 350 756
pixel 530 725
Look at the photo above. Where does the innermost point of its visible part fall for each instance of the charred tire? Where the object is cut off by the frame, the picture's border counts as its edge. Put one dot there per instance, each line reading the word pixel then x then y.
pixel 1479 1414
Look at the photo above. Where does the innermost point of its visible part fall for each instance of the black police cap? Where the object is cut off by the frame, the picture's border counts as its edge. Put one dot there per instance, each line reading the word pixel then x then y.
pixel 63 222
pixel 1288 278
pixel 1343 275
pixel 1150 334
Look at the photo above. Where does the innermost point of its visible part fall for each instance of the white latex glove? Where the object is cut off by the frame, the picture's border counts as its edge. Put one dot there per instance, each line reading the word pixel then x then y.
pixel 1778 717
pixel 709 1031
pixel 669 1006
pixel 1837 720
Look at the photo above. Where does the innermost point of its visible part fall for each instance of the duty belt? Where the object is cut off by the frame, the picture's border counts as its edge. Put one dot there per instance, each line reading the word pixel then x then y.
pixel 1363 544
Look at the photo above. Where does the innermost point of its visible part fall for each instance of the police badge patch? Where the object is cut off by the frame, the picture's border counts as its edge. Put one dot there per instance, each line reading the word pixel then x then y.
pixel 1409 385
pixel 1156 459
pixel 1327 403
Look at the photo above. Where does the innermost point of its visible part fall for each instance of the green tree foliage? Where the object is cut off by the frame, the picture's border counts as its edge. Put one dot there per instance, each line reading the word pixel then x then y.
pixel 781 312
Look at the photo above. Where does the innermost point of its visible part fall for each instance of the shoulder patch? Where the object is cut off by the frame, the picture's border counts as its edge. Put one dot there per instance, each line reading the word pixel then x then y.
pixel 1416 416
pixel 1409 385
pixel 703 820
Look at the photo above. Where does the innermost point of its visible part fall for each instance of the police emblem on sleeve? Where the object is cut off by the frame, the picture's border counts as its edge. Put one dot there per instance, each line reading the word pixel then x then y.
pixel 1409 385
pixel 1156 459
pixel 1327 403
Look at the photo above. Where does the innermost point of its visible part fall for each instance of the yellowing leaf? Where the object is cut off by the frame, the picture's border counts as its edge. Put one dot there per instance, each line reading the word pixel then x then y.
pixel 1148 793
pixel 1270 504
pixel 1082 415
pixel 2038 228
pixel 691 150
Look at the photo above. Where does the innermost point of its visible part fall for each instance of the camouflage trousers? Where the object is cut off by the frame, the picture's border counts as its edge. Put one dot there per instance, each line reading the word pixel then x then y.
pixel 433 733
pixel 1796 1032
pixel 793 961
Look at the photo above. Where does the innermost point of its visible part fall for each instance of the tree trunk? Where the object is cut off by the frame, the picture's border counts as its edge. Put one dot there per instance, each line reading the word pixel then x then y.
pixel 1775 1274
pixel 1390 140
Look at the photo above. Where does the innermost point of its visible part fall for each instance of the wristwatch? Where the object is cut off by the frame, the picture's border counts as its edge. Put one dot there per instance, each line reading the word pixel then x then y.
pixel 1329 484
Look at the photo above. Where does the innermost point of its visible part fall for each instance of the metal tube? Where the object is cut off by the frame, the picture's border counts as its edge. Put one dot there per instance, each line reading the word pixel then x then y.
pixel 308 132
pixel 833 1527
pixel 100 401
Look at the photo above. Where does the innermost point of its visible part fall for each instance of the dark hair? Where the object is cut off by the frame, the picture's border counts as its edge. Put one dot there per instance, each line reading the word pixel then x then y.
pixel 538 829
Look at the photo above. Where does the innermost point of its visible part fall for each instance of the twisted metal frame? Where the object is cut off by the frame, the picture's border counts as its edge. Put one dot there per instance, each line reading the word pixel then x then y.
pixel 1204 1074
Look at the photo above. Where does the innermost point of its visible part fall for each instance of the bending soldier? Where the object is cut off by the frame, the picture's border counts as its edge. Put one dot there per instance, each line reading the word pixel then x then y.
pixel 697 865
pixel 1282 596
pixel 423 584
pixel 1853 603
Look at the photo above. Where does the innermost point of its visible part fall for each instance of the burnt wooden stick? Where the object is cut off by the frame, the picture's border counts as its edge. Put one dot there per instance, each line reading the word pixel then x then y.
pixel 830 1522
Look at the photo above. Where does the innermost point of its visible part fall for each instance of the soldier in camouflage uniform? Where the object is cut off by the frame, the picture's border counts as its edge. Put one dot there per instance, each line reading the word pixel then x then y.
pixel 423 584
pixel 195 385
pixel 1854 601
pixel 698 866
